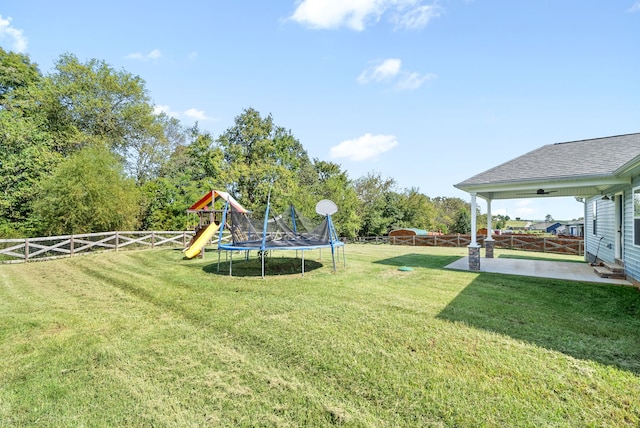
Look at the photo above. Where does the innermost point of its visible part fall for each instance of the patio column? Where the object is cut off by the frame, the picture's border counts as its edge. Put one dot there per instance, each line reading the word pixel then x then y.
pixel 474 248
pixel 489 243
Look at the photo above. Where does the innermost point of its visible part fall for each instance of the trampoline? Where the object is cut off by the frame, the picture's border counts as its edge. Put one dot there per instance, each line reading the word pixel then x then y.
pixel 286 231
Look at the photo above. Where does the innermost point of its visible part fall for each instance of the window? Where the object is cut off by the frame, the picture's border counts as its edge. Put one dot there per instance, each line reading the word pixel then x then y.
pixel 636 216
pixel 594 206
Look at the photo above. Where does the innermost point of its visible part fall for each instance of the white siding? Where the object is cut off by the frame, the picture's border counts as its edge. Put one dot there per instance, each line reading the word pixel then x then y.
pixel 631 254
pixel 605 230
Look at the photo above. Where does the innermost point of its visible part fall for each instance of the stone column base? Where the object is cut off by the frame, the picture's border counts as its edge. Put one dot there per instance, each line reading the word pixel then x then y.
pixel 474 258
pixel 488 248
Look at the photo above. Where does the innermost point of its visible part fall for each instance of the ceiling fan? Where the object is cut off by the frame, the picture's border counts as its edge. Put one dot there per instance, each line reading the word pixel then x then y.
pixel 540 192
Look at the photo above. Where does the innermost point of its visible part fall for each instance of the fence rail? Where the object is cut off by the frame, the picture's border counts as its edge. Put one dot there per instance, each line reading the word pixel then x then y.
pixel 560 245
pixel 32 249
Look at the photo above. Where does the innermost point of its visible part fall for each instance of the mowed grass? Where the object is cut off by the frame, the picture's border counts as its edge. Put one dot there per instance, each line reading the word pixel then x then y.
pixel 146 338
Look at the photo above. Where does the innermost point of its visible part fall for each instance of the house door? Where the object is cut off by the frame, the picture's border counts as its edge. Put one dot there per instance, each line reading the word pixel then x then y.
pixel 619 213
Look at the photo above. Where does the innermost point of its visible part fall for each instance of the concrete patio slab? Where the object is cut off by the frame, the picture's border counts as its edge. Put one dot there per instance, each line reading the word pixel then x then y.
pixel 538 268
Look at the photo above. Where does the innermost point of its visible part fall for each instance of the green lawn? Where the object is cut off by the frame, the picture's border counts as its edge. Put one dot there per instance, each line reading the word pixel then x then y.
pixel 145 338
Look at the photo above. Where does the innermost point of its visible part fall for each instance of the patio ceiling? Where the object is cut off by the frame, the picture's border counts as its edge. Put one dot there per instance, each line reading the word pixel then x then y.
pixel 546 188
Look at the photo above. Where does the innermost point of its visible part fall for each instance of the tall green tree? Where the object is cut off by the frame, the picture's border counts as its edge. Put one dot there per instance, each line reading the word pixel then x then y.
pixel 26 148
pixel 86 101
pixel 87 193
pixel 191 170
pixel 372 191
pixel 417 210
pixel 462 223
pixel 331 182
pixel 262 158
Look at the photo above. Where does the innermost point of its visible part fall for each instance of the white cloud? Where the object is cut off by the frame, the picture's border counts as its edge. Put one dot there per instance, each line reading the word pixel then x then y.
pixel 191 114
pixel 634 7
pixel 356 14
pixel 389 70
pixel 193 55
pixel 417 17
pixel 364 148
pixel 154 54
pixel 412 81
pixel 15 36
pixel 196 114
pixel 382 70
pixel 166 110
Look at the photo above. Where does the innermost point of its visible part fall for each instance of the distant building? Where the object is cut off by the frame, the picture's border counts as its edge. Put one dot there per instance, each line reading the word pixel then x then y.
pixel 547 227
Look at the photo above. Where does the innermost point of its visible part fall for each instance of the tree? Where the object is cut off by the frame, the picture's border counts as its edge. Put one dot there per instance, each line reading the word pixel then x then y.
pixel 548 218
pixel 418 210
pixel 372 193
pixel 262 159
pixel 87 193
pixel 462 223
pixel 331 182
pixel 191 170
pixel 88 101
pixel 26 148
pixel 447 211
pixel 17 73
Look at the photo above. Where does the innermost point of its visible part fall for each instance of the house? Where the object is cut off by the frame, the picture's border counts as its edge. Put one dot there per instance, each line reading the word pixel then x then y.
pixel 546 227
pixel 602 173
pixel 574 228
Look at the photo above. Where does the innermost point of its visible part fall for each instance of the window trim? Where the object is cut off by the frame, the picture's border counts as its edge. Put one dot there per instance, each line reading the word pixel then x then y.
pixel 635 212
pixel 594 217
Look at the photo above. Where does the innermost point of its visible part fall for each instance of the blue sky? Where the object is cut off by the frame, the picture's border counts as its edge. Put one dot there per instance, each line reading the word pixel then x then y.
pixel 426 92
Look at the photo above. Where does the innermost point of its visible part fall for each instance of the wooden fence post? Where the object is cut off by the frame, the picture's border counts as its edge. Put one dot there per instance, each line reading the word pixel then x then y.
pixel 71 246
pixel 26 249
pixel 117 240
pixel 153 239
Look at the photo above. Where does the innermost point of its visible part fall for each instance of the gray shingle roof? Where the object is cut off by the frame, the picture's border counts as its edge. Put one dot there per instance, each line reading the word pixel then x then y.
pixel 575 159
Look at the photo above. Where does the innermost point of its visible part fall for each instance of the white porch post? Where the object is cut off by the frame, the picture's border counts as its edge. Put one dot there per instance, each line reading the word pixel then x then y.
pixel 474 219
pixel 489 222
pixel 474 248
pixel 489 244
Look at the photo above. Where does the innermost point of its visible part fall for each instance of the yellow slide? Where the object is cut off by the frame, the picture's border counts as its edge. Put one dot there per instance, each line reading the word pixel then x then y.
pixel 201 241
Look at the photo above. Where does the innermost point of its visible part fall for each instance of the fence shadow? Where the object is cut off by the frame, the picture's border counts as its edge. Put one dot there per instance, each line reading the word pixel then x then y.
pixel 597 322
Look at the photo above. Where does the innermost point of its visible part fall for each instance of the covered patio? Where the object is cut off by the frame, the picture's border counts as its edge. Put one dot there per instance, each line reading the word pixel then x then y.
pixel 581 169
pixel 570 271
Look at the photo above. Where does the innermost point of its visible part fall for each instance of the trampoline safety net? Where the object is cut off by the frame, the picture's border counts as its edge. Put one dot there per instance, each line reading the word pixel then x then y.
pixel 288 230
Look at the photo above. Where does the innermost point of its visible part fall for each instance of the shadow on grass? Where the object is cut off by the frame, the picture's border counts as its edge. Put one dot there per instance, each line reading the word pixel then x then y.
pixel 273 266
pixel 419 260
pixel 597 322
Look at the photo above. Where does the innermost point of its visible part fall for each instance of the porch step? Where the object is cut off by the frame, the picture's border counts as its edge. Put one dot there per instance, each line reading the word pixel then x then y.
pixel 614 267
pixel 606 272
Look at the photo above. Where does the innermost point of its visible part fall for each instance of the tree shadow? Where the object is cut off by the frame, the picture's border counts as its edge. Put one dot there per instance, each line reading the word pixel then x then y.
pixel 274 266
pixel 419 260
pixel 597 322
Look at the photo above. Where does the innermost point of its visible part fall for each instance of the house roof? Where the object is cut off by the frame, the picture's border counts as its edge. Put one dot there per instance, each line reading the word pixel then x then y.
pixel 575 168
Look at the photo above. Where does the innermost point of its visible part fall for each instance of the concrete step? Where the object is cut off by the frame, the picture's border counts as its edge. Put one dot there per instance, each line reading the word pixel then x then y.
pixel 604 272
pixel 614 267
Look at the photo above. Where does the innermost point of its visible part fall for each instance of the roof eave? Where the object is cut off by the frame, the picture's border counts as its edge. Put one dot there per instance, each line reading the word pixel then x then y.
pixel 583 186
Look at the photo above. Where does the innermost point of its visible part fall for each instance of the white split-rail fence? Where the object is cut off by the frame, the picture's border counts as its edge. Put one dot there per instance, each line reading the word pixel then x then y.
pixel 52 247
